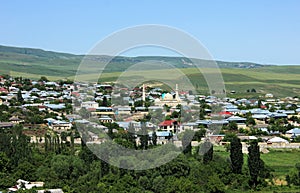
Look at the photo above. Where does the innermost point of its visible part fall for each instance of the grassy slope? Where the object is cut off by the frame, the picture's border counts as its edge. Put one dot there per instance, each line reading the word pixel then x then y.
pixel 34 63
pixel 280 84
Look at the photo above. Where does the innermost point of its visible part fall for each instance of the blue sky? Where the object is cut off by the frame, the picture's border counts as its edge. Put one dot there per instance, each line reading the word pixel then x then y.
pixel 255 31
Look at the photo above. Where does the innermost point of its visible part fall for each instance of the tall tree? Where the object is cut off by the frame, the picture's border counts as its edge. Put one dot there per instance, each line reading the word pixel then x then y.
pixel 186 141
pixel 110 130
pixel 72 142
pixel 154 138
pixel 20 143
pixel 5 142
pixel 254 162
pixel 87 155
pixel 104 101
pixel 236 155
pixel 144 137
pixel 208 152
pixel 131 135
pixel 46 143
pixel 19 97
pixel 259 103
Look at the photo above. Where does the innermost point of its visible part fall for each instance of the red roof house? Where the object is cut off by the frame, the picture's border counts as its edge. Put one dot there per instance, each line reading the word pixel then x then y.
pixel 169 125
pixel 3 90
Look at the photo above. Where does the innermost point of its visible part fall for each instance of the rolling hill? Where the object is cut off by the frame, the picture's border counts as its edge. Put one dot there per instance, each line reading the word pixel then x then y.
pixel 40 62
pixel 238 76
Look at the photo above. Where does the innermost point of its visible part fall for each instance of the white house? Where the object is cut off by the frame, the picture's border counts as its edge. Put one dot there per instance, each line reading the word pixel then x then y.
pixel 90 104
pixel 269 95
pixel 277 140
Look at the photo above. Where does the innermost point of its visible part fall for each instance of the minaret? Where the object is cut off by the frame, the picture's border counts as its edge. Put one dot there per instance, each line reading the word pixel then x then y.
pixel 144 94
pixel 176 93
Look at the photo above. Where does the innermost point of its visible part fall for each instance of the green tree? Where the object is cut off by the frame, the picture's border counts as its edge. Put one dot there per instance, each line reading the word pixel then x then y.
pixel 259 103
pixel 178 167
pixel 208 154
pixel 87 155
pixel 104 102
pixel 232 126
pixel 110 130
pixel 67 167
pixel 236 155
pixel 294 176
pixel 214 184
pixel 5 143
pixel 254 162
pixel 25 170
pixel 19 97
pixel 154 138
pixel 131 135
pixel 43 79
pixel 144 137
pixel 20 144
pixel 4 162
pixel 47 148
pixel 229 136
pixel 250 121
pixel 186 141
pixel 199 135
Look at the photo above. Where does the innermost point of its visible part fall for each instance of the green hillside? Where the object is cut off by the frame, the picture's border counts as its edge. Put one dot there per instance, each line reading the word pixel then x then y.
pixel 281 84
pixel 40 62
pixel 238 76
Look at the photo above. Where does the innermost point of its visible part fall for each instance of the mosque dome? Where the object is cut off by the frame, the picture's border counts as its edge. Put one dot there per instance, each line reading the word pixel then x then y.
pixel 168 96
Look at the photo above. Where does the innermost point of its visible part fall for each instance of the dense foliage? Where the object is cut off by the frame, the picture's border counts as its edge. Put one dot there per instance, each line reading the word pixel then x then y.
pixel 80 170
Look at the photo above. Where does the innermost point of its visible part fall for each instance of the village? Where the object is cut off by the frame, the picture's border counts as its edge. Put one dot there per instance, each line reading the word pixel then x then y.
pixel 44 106
pixel 52 112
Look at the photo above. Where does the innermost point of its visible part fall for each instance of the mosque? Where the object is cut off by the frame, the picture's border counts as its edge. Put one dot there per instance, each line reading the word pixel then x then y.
pixel 168 99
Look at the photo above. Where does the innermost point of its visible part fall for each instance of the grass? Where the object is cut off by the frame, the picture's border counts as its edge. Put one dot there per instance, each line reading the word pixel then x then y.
pixel 280 160
pixel 33 76
pixel 279 84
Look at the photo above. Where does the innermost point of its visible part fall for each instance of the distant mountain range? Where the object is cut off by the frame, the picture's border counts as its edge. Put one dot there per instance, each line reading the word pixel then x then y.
pixel 38 61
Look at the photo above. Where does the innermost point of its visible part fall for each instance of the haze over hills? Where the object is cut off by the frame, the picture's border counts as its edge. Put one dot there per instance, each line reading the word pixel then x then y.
pixel 238 76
